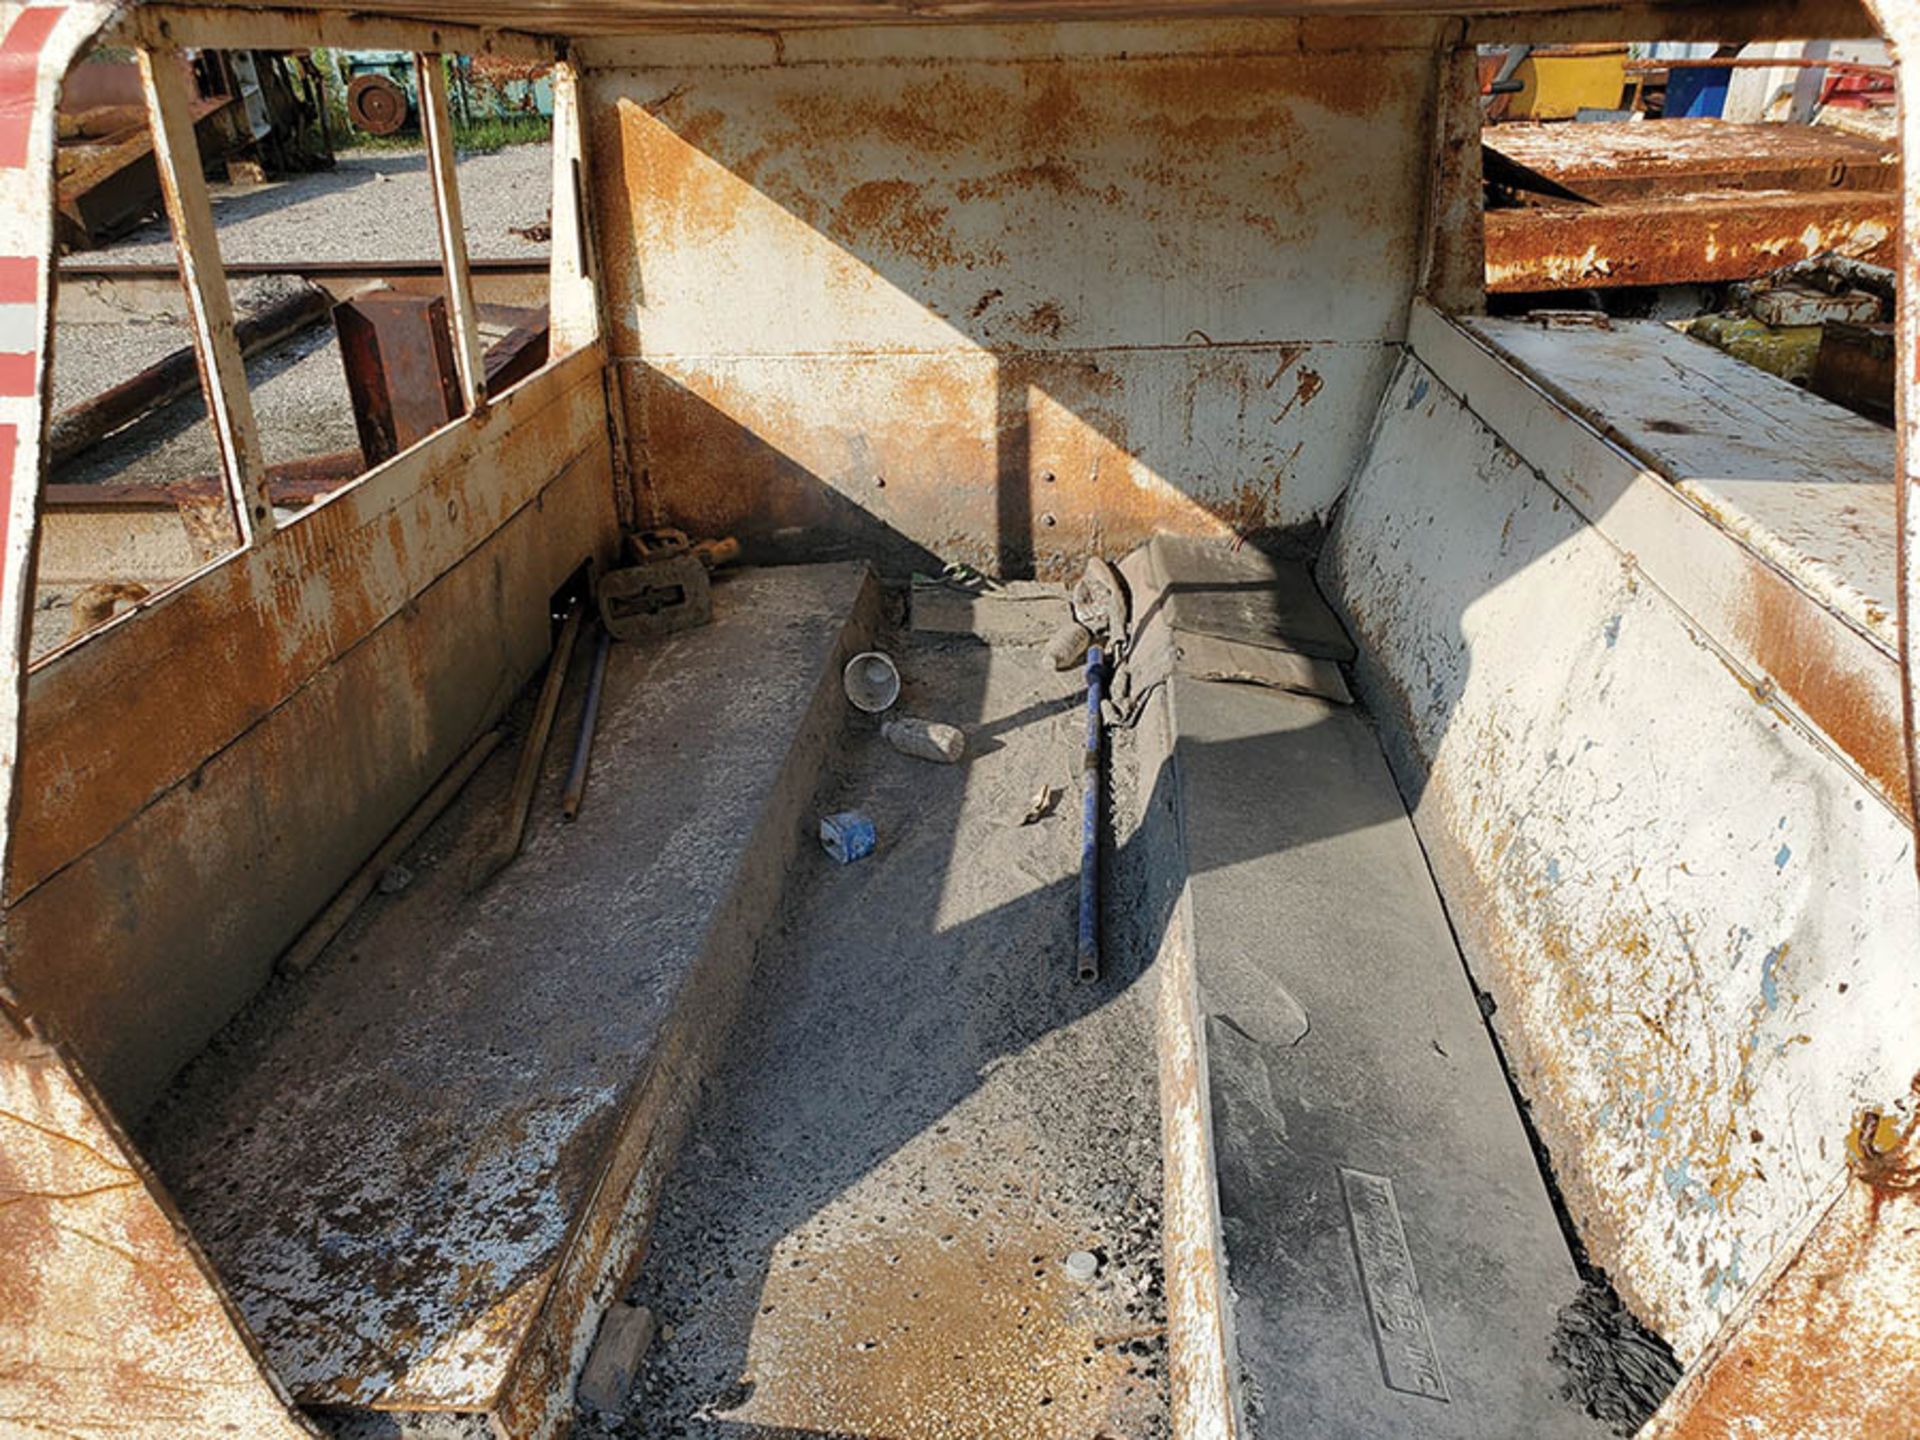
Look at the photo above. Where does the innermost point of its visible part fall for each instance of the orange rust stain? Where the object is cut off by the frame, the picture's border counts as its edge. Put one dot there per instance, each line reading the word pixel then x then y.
pixel 1833 1346
pixel 1786 641
pixel 933 117
pixel 1056 112
pixel 1045 320
pixel 1049 175
pixel 939 1326
pixel 895 215
pixel 1221 98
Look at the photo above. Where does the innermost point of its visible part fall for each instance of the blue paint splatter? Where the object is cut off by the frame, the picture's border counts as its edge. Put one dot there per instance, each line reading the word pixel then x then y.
pixel 1612 631
pixel 1723 1276
pixel 1677 1180
pixel 1770 976
pixel 1656 1125
pixel 1781 856
pixel 1553 871
pixel 1419 391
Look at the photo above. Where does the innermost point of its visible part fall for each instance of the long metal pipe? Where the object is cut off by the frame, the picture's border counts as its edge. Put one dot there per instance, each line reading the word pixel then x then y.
pixel 1090 823
pixel 589 717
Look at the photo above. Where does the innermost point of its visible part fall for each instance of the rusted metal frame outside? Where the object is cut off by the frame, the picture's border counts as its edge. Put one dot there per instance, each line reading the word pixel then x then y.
pixel 1710 575
pixel 1618 160
pixel 1453 268
pixel 437 124
pixel 1723 23
pixel 1681 239
pixel 223 369
pixel 223 27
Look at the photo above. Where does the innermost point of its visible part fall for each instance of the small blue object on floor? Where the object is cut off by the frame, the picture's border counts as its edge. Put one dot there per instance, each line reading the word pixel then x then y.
pixel 848 836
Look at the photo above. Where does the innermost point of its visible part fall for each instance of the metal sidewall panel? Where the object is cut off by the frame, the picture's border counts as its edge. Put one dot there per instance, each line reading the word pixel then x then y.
pixel 1697 923
pixel 276 716
pixel 1007 295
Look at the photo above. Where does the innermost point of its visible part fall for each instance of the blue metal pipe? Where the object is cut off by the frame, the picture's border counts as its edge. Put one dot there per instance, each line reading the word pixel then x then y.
pixel 1090 824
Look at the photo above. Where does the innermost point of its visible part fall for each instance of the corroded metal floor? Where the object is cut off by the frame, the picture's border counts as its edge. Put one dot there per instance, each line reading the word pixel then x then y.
pixel 394 1159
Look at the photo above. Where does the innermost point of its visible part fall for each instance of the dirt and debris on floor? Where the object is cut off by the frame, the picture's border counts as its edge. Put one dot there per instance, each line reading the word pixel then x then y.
pixel 926 1127
pixel 1617 1370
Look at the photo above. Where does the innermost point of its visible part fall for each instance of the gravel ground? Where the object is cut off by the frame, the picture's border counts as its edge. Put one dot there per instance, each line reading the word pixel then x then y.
pixel 373 205
pixel 922 1118
pixel 299 402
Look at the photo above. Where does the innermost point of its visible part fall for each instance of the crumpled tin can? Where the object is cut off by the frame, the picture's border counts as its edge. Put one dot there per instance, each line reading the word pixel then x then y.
pixel 848 836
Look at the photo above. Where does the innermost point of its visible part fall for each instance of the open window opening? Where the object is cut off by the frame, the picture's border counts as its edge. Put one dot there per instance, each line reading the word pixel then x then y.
pixel 344 260
pixel 1747 194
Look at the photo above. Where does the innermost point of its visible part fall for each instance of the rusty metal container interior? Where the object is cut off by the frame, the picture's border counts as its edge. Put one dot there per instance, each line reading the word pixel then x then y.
pixel 884 291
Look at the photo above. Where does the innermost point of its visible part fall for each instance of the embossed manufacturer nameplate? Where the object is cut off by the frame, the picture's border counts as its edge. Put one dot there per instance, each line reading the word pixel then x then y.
pixel 1407 1352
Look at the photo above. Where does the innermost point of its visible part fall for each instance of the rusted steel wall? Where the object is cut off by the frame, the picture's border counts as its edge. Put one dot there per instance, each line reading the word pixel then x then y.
pixel 1696 918
pixel 200 777
pixel 1831 1346
pixel 1006 295
pixel 111 1321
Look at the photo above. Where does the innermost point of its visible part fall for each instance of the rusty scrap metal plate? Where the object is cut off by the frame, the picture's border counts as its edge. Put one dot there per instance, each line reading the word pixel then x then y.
pixel 1608 160
pixel 398 354
pixel 657 598
pixel 1678 240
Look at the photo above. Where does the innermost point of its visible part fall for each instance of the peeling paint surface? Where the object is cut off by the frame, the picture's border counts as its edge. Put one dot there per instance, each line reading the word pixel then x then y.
pixel 1693 1021
pixel 1803 482
pixel 111 1323
pixel 1827 1351
pixel 1007 307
